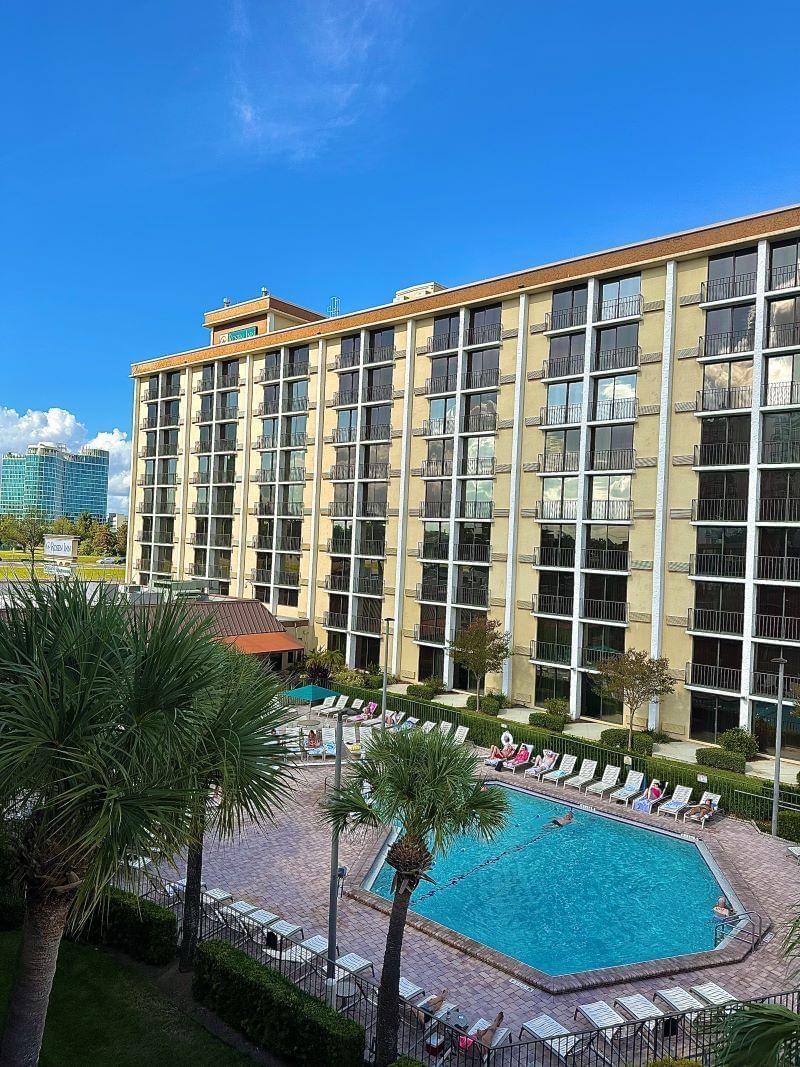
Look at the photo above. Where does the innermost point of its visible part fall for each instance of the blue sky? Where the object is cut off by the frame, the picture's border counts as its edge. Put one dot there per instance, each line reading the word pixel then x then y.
pixel 158 157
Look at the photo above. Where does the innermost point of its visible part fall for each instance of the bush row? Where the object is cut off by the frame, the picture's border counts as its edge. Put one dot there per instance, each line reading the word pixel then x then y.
pixel 789 825
pixel 271 1011
pixel 722 759
pixel 140 928
pixel 617 737
pixel 547 720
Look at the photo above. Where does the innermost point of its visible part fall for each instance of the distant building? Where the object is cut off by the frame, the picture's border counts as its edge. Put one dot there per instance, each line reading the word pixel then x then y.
pixel 55 482
pixel 115 520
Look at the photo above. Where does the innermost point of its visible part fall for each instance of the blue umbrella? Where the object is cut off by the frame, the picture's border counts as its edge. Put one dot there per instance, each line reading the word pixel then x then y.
pixel 308 694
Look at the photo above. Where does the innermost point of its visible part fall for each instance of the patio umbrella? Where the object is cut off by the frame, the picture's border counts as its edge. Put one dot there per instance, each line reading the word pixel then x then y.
pixel 308 694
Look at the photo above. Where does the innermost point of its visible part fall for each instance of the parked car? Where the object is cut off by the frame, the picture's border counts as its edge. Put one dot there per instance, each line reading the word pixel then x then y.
pixel 110 561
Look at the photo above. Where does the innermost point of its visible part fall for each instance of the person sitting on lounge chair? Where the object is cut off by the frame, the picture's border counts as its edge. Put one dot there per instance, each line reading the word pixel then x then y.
pixel 432 1005
pixel 703 809
pixel 506 752
pixel 484 1036
pixel 651 795
pixel 544 763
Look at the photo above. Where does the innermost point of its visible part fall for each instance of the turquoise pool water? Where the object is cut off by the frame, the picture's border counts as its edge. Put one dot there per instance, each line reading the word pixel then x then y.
pixel 595 893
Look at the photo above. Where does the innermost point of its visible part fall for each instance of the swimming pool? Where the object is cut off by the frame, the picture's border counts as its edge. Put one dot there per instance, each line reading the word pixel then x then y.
pixel 598 892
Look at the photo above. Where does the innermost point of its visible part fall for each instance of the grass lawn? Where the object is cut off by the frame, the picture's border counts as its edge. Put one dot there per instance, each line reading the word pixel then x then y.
pixel 19 570
pixel 103 1015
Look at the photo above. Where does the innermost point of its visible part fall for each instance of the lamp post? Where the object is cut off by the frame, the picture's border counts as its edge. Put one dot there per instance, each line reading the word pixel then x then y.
pixel 385 673
pixel 776 785
pixel 333 898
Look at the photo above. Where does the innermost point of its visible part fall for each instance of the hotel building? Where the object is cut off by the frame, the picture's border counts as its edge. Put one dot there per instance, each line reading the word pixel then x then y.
pixel 601 453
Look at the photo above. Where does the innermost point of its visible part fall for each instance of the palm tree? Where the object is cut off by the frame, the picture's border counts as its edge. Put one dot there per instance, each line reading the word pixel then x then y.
pixel 425 785
pixel 97 704
pixel 239 767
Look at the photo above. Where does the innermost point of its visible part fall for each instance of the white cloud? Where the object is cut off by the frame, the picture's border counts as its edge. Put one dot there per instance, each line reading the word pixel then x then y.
pixel 58 426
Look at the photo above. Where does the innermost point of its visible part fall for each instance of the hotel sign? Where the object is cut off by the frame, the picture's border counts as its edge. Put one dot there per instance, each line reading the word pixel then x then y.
pixel 238 335
pixel 61 547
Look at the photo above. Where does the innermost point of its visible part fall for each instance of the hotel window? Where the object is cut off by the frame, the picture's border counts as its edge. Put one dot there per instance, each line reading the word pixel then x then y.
pixel 564 402
pixel 615 397
pixel 729 330
pixel 550 684
pixel 617 347
pixel 444 370
pixel 477 455
pixel 784 260
pixel 440 458
pixel 442 414
pixel 620 297
pixel 569 307
pixel 381 342
pixel 445 331
pixel 784 322
pixel 566 354
pixel 731 275
pixel 559 498
pixel 483 368
pixel 350 350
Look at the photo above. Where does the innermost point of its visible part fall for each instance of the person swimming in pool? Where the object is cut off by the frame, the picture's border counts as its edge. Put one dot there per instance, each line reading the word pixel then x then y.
pixel 722 908
pixel 561 820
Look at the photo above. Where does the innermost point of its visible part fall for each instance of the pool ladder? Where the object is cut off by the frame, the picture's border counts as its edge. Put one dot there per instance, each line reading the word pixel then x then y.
pixel 750 932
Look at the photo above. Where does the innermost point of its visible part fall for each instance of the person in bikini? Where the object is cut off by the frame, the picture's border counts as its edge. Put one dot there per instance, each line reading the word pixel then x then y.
pixel 484 1036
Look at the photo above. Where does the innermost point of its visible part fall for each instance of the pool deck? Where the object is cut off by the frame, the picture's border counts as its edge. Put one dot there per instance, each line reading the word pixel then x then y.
pixel 285 867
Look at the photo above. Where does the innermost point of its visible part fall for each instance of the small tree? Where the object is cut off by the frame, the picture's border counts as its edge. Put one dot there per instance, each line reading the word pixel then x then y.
pixel 482 648
pixel 320 665
pixel 103 540
pixel 121 539
pixel 28 533
pixel 634 678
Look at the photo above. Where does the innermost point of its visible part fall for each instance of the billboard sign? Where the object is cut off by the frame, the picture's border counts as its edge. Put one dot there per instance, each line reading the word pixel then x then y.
pixel 61 546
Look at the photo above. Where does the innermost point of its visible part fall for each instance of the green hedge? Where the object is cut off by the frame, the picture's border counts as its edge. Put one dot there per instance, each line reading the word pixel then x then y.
pixel 616 737
pixel 491 703
pixel 789 825
pixel 140 928
pixel 742 795
pixel 545 720
pixel 722 759
pixel 738 740
pixel 271 1011
pixel 421 692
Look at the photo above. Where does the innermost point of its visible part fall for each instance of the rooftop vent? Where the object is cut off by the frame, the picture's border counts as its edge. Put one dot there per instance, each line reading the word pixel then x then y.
pixel 414 292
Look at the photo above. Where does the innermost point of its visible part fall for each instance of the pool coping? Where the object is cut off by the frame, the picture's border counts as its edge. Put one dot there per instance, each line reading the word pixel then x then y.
pixel 730 951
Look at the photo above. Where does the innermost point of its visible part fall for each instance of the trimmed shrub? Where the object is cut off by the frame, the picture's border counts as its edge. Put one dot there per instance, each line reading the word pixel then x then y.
pixel 491 703
pixel 557 706
pixel 789 825
pixel 271 1011
pixel 346 676
pixel 722 759
pixel 738 740
pixel 617 737
pixel 545 720
pixel 420 691
pixel 436 685
pixel 140 928
pixel 658 736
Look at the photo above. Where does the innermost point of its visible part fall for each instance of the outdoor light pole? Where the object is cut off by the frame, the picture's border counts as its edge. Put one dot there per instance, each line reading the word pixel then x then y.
pixel 333 899
pixel 385 673
pixel 776 785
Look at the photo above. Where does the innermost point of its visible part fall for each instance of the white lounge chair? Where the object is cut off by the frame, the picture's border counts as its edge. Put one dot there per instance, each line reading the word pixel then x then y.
pixel 460 736
pixel 329 742
pixel 563 771
pixel 445 726
pixel 633 786
pixel 409 990
pixel 547 762
pixel 608 781
pixel 500 1035
pixel 602 1016
pixel 409 724
pixel 428 725
pixel 548 1030
pixel 440 1013
pixel 714 995
pixel 711 798
pixel 584 775
pixel 679 999
pixel 350 739
pixel 680 799
pixel 639 1008
pixel 794 850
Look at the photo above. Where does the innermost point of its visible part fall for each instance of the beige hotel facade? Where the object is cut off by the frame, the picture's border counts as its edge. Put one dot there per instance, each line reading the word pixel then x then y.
pixel 602 453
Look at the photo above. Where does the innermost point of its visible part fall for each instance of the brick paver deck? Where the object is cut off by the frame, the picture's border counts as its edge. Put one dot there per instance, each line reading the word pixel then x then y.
pixel 285 868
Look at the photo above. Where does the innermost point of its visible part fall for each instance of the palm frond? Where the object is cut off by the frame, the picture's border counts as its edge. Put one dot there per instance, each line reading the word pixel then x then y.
pixel 763 1034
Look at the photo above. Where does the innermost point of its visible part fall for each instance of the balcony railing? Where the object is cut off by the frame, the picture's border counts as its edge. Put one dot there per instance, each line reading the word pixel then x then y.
pixel 204 385
pixel 720 509
pixel 431 633
pixel 374 471
pixel 609 510
pixel 292 508
pixel 476 509
pixel 263 507
pixel 148 452
pixel 473 552
pixel 563 366
pixel 373 509
pixel 481 422
pixel 616 358
pixel 730 288
pixel 223 507
pixel 438 427
pixel 550 652
pixel 287 578
pixel 728 399
pixel 437 468
pixel 473 596
pixel 615 410
pixel 435 509
pixel 292 474
pixel 722 454
pixel 380 354
pixel 261 544
pixel 607 559
pixel 778 568
pixel 226 444
pixel 343 472
pixel 591 657
pixel 784 335
pixel 295 403
pixel 339 546
pixel 263 474
pixel 553 556
pixel 716 565
pixel 435 593
pixel 765 684
pixel 624 307
pixel 367 585
pixel 296 369
pixel 264 442
pixel 777 627
pixel 298 439
pixel 340 508
pixel 782 394
pixel 728 343
pixel 228 412
pixel 367 624
pixel 228 381
pixel 713 621
pixel 607 610
pixel 344 434
pixel 481 379
pixel 560 415
pixel 444 383
pixel 260 576
pixel 441 342
pixel 348 359
pixel 375 393
pixel 565 318
pixel 556 510
pixel 268 374
pixel 150 423
pixel 338 583
pixel 708 676
pixel 370 548
pixel 786 277
pixel 204 415
pixel 334 620
pixel 779 509
pixel 558 462
pixel 287 544
pixel 483 335
pixel 552 604
pixel 612 459
pixel 376 431
pixel 433 549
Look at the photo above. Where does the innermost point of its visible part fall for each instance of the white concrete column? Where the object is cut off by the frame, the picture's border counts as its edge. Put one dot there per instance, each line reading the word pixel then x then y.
pixel 514 481
pixel 244 473
pixel 316 458
pixel 182 468
pixel 351 603
pixel 402 509
pixel 449 617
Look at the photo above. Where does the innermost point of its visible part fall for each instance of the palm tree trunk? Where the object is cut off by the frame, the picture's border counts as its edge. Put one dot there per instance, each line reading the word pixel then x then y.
pixel 388 1015
pixel 42 930
pixel 191 897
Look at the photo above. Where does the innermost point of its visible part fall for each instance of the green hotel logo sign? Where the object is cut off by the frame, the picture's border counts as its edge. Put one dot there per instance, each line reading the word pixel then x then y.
pixel 239 335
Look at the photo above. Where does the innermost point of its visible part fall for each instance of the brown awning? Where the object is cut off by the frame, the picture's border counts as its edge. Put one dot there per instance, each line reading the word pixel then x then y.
pixel 269 642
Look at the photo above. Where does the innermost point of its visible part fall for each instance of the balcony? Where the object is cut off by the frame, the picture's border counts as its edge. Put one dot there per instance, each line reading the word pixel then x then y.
pixel 372 509
pixel 445 383
pixel 730 288
pixel 292 508
pixel 591 657
pixel 292 474
pixel 784 335
pixel 481 379
pixel 737 397
pixel 481 422
pixel 376 431
pixel 550 652
pixel 374 394
pixel 263 507
pixel 299 439
pixel 228 381
pixel 220 573
pixel 609 510
pixel 295 403
pixel 782 394
pixel 778 568
pixel 338 546
pixel 430 633
pixel 148 452
pixel 615 410
pixel 435 509
pixel 287 544
pixel 434 593
pixel 552 556
pixel 348 359
pixel 433 549
pixel 560 415
pixel 779 509
pixel 712 621
pixel 228 412
pixel 344 435
pixel 625 358
pixel 442 342
pixel 340 508
pixel 367 624
pixel 607 559
pixel 558 462
pixel 268 374
pixel 200 507
pixel 563 367
pixel 367 585
pixel 262 544
pixel 624 307
pixel 556 510
pixel 342 472
pixel 720 509
pixel 148 395
pixel 380 354
pixel 370 548
pixel 471 596
pixel 268 407
pixel 337 583
pixel 722 454
pixel 607 610
pixel 786 277
pixel 334 620
pixel 716 565
pixel 150 423
pixel 438 427
pixel 765 684
pixel 612 459
pixel 204 385
pixel 472 552
pixel 565 318
pixel 260 576
pixel 729 343
pixel 475 509
pixel 263 442
pixel 164 507
pixel 437 468
pixel 484 335
pixel 287 578
pixel 297 368
pixel 223 507
pixel 479 467
pixel 200 478
pixel 263 474
pixel 708 676
pixel 374 471
pixel 777 627
pixel 226 444
pixel 551 604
